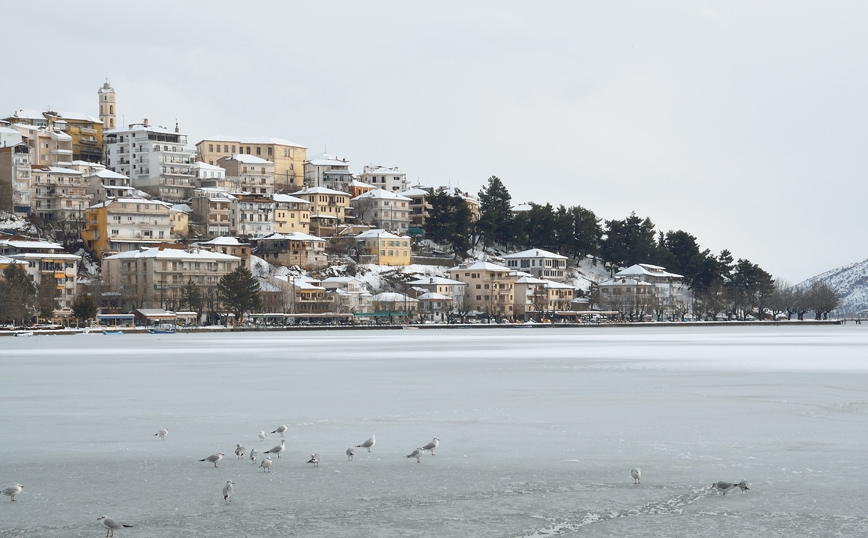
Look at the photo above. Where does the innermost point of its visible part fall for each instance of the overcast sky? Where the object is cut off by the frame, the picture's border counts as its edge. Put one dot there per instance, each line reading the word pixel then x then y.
pixel 742 123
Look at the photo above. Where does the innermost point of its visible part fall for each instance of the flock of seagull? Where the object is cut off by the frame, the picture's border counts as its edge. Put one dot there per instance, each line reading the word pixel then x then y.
pixel 111 524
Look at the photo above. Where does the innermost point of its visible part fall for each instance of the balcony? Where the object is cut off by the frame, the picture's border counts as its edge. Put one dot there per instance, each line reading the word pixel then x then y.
pixel 59 151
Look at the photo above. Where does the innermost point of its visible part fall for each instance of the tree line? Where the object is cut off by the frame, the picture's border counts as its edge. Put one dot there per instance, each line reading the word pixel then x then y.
pixel 722 285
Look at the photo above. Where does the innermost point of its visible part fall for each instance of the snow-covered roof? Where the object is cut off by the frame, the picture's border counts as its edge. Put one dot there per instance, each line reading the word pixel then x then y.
pixel 415 192
pixel 380 234
pixel 390 296
pixel 645 269
pixel 481 266
pixel 357 183
pixel 287 199
pixel 247 159
pixel 428 280
pixel 205 166
pixel 130 201
pixel 110 174
pixel 225 242
pixel 40 245
pixel 379 169
pixel 292 236
pixel 527 279
pixel 253 140
pixel 319 190
pixel 380 194
pixel 43 255
pixel 325 159
pixel 183 208
pixel 534 253
pixel 79 116
pixel 172 254
pixel 431 296
pixel 149 129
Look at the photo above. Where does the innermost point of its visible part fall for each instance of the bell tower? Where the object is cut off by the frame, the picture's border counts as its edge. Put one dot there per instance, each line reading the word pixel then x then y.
pixel 107 112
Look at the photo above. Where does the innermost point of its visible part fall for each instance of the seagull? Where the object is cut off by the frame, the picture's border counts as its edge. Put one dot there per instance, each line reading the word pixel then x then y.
pixel 278 449
pixel 350 453
pixel 266 465
pixel 12 491
pixel 724 486
pixel 262 435
pixel 253 455
pixel 162 434
pixel 214 458
pixel 636 474
pixel 368 444
pixel 280 430
pixel 228 490
pixel 417 454
pixel 744 485
pixel 239 451
pixel 432 445
pixel 314 458
pixel 111 525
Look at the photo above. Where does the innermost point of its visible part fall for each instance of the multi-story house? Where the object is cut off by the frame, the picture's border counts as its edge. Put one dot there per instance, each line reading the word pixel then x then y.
pixel 209 175
pixel 84 131
pixel 248 173
pixel 539 263
pixel 419 206
pixel 536 298
pixel 440 286
pixel 304 295
pixel 231 246
pixel 294 248
pixel 291 214
pixel 288 157
pixel 380 247
pixel 49 146
pixel 215 209
pixel 349 294
pixel 389 179
pixel 434 307
pixel 15 179
pixel 155 277
pixel 46 260
pixel 644 290
pixel 125 224
pixel 328 209
pixel 104 185
pixel 179 216
pixel 327 171
pixel 254 215
pixel 383 209
pixel 490 288
pixel 59 194
pixel 155 158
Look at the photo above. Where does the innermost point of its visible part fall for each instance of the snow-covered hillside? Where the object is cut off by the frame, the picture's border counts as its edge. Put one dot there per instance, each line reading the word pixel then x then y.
pixel 851 284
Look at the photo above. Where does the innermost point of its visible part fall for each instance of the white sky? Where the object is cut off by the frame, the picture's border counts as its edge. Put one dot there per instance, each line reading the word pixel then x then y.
pixel 742 124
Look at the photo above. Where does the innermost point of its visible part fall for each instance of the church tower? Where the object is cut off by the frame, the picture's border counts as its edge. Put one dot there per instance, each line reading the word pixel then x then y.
pixel 107 112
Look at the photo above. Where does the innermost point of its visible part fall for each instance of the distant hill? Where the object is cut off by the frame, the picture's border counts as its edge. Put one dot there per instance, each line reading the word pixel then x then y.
pixel 851 284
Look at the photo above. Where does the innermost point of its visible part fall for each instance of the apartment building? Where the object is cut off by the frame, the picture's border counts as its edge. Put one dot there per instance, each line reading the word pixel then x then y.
pixel 46 260
pixel 645 289
pixel 248 173
pixel 387 178
pixel 328 209
pixel 288 157
pixel 490 288
pixel 383 209
pixel 59 194
pixel 209 175
pixel 254 215
pixel 349 294
pixel 49 146
pixel 380 247
pixel 85 132
pixel 15 179
pixel 295 248
pixel 327 171
pixel 539 263
pixel 536 298
pixel 215 209
pixel 155 159
pixel 154 277
pixel 229 245
pixel 291 214
pixel 125 224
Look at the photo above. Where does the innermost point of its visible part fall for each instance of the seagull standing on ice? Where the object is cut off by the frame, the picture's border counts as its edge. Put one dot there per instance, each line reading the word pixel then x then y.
pixel 213 458
pixel 281 430
pixel 262 435
pixel 350 453
pixel 111 525
pixel 278 449
pixel 744 485
pixel 228 490
pixel 417 454
pixel 162 434
pixel 636 474
pixel 314 458
pixel 368 444
pixel 432 445
pixel 724 486
pixel 12 491
pixel 253 455
pixel 266 465
pixel 239 451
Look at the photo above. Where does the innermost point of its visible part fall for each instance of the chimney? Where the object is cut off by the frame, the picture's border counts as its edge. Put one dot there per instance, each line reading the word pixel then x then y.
pixel 146 122
pixel 176 127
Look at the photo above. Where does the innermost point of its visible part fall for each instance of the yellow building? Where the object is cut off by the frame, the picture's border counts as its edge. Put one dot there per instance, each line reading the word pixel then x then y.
pixel 125 224
pixel 328 209
pixel 288 157
pixel 380 247
pixel 490 288
pixel 291 214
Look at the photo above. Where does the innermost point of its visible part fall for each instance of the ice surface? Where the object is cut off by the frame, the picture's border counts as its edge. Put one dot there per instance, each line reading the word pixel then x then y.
pixel 539 430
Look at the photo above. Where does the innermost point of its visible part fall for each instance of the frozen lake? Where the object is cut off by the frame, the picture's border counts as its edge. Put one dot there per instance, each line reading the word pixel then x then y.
pixel 539 429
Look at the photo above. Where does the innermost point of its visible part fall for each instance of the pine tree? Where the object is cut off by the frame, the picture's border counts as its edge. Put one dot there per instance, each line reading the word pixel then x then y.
pixel 239 292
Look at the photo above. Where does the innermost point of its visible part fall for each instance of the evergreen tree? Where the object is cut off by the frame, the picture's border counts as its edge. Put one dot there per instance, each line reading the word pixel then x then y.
pixel 239 292
pixel 84 307
pixel 449 221
pixel 191 297
pixel 495 224
pixel 17 294
pixel 629 241
pixel 45 300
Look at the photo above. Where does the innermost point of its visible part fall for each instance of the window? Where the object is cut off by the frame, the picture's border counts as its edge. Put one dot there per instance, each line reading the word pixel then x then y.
pixel 258 150
pixel 218 148
pixel 210 147
pixel 225 148
pixel 114 232
pixel 233 148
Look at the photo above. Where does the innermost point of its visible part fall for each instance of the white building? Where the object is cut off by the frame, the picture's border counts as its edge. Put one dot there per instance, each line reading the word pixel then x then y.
pixel 254 215
pixel 349 294
pixel 46 260
pixel 327 171
pixel 383 209
pixel 248 173
pixel 389 179
pixel 209 175
pixel 646 290
pixel 155 158
pixel 216 209
pixel 539 263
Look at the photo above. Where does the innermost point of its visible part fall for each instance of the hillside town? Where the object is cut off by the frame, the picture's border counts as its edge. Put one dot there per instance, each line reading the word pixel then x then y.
pixel 137 224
